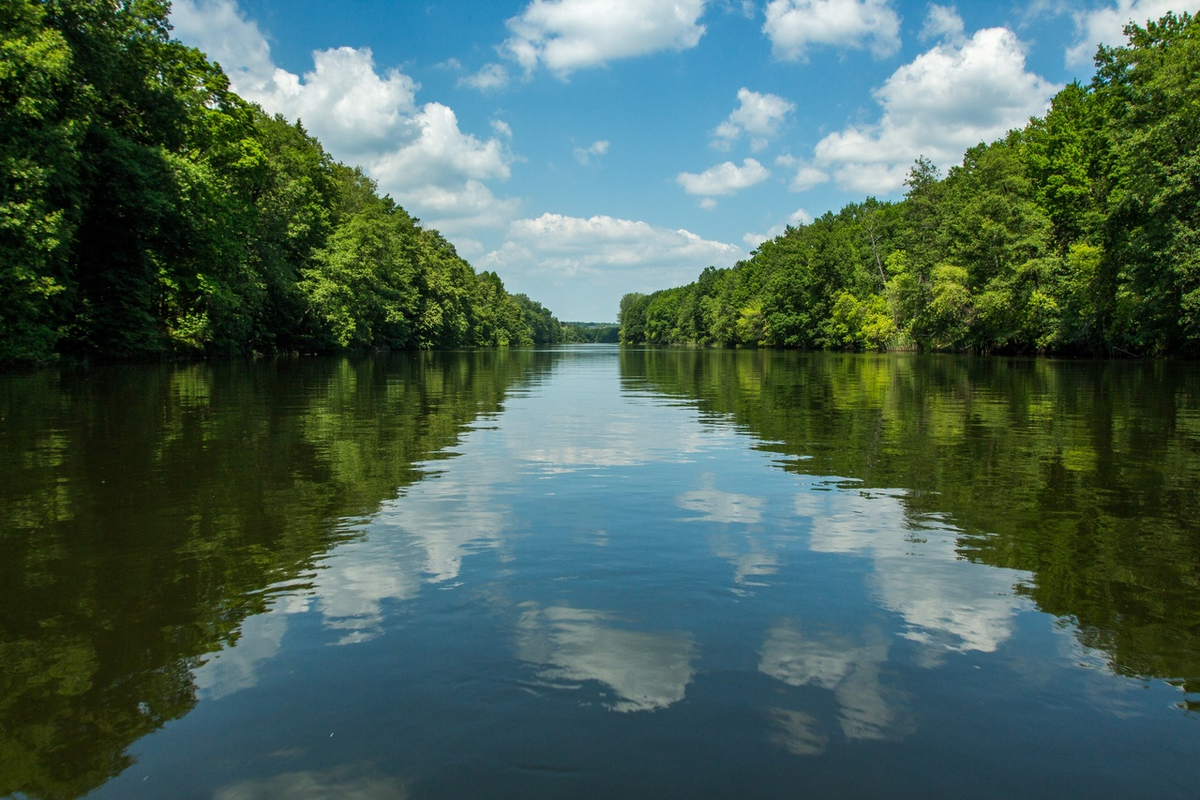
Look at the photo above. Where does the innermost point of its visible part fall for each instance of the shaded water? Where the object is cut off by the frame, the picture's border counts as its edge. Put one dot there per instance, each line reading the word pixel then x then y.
pixel 593 572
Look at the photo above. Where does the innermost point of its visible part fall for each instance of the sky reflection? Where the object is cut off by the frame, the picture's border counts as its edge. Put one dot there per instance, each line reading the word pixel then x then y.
pixel 946 603
pixel 646 671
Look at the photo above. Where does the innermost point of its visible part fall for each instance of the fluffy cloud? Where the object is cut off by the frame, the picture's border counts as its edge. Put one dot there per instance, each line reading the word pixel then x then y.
pixel 943 22
pixel 726 178
pixel 221 30
pixel 567 35
pixel 491 77
pixel 439 148
pixel 573 245
pixel 362 116
pixel 948 99
pixel 806 175
pixel 758 115
pixel 1106 25
pixel 798 217
pixel 581 267
pixel 793 26
pixel 584 155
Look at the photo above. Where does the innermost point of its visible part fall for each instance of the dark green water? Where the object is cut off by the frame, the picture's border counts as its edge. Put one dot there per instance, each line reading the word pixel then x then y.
pixel 594 573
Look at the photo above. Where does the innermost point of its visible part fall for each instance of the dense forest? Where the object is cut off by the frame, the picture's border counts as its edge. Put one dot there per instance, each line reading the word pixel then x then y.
pixel 1078 234
pixel 590 333
pixel 147 210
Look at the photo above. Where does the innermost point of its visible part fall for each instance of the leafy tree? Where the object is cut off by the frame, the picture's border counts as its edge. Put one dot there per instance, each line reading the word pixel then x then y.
pixel 39 158
pixel 1079 233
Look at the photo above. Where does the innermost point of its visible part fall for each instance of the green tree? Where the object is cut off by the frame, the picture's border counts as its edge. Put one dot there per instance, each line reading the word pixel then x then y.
pixel 39 159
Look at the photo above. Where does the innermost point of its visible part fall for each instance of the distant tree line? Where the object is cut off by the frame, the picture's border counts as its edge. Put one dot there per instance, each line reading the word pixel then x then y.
pixel 590 333
pixel 145 209
pixel 1078 234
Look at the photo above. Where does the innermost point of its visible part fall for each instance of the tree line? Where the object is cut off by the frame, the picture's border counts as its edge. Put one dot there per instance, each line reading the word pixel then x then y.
pixel 147 210
pixel 1077 234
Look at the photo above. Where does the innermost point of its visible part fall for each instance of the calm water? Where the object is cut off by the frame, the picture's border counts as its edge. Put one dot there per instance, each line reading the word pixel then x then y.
pixel 594 573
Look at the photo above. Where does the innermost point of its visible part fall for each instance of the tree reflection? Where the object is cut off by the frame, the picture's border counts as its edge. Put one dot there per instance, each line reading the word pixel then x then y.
pixel 1081 473
pixel 146 512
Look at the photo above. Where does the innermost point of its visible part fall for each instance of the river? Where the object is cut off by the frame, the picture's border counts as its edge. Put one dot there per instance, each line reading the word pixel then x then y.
pixel 595 572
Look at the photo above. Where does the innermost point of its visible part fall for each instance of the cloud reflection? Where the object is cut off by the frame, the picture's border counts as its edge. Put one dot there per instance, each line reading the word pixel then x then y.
pixel 333 784
pixel 646 671
pixel 946 602
pixel 848 668
pixel 236 668
pixel 796 732
pixel 419 538
pixel 715 505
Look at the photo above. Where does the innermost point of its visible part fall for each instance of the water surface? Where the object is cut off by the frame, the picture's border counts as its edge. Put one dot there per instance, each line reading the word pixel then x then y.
pixel 589 572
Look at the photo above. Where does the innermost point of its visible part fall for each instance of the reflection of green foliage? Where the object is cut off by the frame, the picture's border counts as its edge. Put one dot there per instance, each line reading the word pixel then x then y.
pixel 1083 474
pixel 144 510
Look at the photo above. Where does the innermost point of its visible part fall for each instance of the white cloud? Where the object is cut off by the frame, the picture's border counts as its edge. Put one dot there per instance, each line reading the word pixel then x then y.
pixel 1106 25
pixel 758 115
pixel 571 246
pixel 580 267
pixel 584 155
pixel 943 22
pixel 726 178
pixel 490 77
pixel 747 8
pixel 798 217
pixel 440 149
pixel 793 26
pixel 806 177
pixel 502 128
pixel 946 100
pixel 708 204
pixel 221 30
pixel 566 35
pixel 363 116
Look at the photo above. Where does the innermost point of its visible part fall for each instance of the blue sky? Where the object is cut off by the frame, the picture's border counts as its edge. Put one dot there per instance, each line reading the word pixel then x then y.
pixel 583 149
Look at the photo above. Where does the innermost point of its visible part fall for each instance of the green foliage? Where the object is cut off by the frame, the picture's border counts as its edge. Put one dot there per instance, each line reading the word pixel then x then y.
pixel 146 210
pixel 38 162
pixel 632 318
pixel 860 324
pixel 1078 234
pixel 590 333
